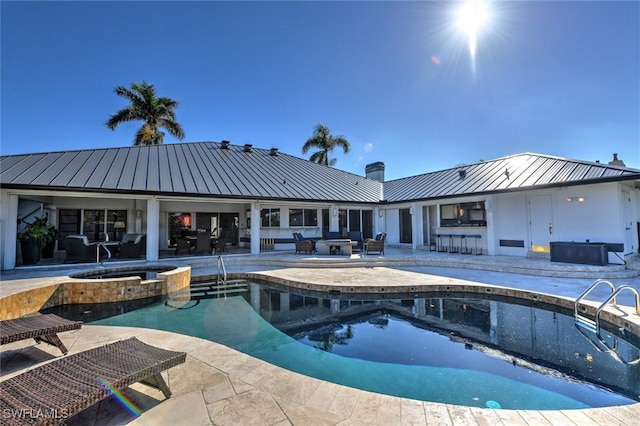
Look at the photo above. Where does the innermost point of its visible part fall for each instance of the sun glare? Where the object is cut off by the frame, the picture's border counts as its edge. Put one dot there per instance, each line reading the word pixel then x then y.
pixel 472 17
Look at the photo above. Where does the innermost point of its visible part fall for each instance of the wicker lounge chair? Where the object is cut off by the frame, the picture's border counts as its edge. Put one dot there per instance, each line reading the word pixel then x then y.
pixel 69 385
pixel 303 244
pixel 42 328
pixel 375 244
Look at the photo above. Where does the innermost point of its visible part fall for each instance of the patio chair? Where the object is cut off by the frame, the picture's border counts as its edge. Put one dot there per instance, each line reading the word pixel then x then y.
pixel 303 245
pixel 183 245
pixel 69 385
pixel 78 250
pixel 375 244
pixel 357 237
pixel 220 244
pixel 203 243
pixel 134 247
pixel 331 235
pixel 42 328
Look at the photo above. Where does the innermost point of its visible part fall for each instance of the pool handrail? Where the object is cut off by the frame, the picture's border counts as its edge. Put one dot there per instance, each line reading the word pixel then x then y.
pixel 220 266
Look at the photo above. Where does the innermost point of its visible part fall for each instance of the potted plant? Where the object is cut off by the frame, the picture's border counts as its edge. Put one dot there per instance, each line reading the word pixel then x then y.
pixel 33 237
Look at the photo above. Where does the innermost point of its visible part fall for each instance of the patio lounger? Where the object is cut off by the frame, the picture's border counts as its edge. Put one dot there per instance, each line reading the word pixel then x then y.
pixel 303 244
pixel 42 328
pixel 375 244
pixel 53 392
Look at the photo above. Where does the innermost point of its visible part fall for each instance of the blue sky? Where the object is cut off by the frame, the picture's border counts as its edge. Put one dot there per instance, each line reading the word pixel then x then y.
pixel 395 78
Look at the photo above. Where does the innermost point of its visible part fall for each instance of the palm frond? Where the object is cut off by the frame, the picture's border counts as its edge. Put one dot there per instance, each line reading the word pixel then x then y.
pixel 325 142
pixel 145 105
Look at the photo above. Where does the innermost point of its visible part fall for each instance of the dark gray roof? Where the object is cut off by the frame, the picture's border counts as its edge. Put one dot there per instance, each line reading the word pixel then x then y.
pixel 203 169
pixel 187 169
pixel 512 173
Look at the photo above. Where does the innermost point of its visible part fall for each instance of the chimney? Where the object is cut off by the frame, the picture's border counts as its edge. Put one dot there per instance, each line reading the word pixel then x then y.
pixel 224 144
pixel 247 147
pixel 616 162
pixel 375 171
pixel 273 152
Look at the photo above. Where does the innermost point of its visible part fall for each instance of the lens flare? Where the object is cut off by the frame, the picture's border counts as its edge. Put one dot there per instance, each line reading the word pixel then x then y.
pixel 123 400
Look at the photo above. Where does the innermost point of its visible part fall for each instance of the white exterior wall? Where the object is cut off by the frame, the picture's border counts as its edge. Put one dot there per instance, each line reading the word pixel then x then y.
pixel 598 219
pixel 595 219
pixel 510 223
pixel 392 225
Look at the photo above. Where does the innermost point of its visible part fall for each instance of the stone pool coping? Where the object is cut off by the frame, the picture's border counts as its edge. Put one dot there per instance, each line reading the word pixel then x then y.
pixel 37 294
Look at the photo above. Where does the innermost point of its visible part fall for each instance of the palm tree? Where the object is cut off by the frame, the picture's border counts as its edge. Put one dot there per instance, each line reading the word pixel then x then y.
pixel 156 112
pixel 323 140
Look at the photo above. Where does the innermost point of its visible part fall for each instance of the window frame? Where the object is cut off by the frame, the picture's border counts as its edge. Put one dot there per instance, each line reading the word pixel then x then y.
pixel 270 214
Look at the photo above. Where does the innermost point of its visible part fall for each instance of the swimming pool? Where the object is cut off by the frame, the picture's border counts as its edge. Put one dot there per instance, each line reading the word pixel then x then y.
pixel 472 351
pixel 144 273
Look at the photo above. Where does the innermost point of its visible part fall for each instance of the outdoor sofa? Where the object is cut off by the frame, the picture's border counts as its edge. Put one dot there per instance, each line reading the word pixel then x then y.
pixel 132 246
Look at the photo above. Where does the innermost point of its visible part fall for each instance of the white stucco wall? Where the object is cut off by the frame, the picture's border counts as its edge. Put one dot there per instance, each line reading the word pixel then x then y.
pixel 599 218
pixel 392 226
pixel 595 219
pixel 510 223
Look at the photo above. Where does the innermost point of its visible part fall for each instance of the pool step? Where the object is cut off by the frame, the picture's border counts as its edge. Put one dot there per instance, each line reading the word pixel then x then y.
pixel 209 290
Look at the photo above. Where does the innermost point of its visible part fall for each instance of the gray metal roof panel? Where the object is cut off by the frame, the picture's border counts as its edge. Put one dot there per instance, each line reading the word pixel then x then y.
pixel 204 169
pixel 140 171
pixel 128 172
pixel 525 171
pixel 65 175
pixel 113 173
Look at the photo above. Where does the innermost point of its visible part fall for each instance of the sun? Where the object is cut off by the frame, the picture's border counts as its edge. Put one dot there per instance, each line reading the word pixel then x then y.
pixel 472 17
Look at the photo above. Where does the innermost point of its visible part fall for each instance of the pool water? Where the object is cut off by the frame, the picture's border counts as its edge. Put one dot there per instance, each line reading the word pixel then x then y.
pixel 469 352
pixel 144 274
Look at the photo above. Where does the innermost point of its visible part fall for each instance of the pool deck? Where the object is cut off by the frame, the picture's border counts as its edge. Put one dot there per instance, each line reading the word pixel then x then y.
pixel 220 386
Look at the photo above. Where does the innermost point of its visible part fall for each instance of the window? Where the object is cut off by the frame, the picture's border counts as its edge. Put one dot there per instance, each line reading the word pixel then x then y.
pixel 303 217
pixel 270 218
pixel 104 225
pixel 354 220
pixel 406 234
pixel 463 214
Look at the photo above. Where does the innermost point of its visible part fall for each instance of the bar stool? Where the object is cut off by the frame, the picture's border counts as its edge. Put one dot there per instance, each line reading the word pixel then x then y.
pixel 452 247
pixel 441 248
pixel 464 248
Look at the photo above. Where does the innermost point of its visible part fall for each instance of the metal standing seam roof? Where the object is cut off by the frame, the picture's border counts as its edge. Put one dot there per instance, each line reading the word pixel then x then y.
pixel 204 169
pixel 199 169
pixel 512 173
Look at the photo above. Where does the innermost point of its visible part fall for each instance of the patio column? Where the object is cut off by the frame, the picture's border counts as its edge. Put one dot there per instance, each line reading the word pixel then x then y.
pixel 255 228
pixel 490 228
pixel 334 222
pixel 9 228
pixel 153 229
pixel 416 229
pixel 377 214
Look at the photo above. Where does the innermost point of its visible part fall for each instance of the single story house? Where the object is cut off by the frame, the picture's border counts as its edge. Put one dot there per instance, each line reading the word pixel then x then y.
pixel 516 205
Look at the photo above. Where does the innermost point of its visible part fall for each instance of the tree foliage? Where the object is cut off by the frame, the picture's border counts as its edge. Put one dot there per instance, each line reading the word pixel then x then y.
pixel 156 112
pixel 325 142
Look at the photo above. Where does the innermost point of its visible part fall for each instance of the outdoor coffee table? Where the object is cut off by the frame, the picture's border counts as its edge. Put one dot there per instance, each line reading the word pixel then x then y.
pixel 326 246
